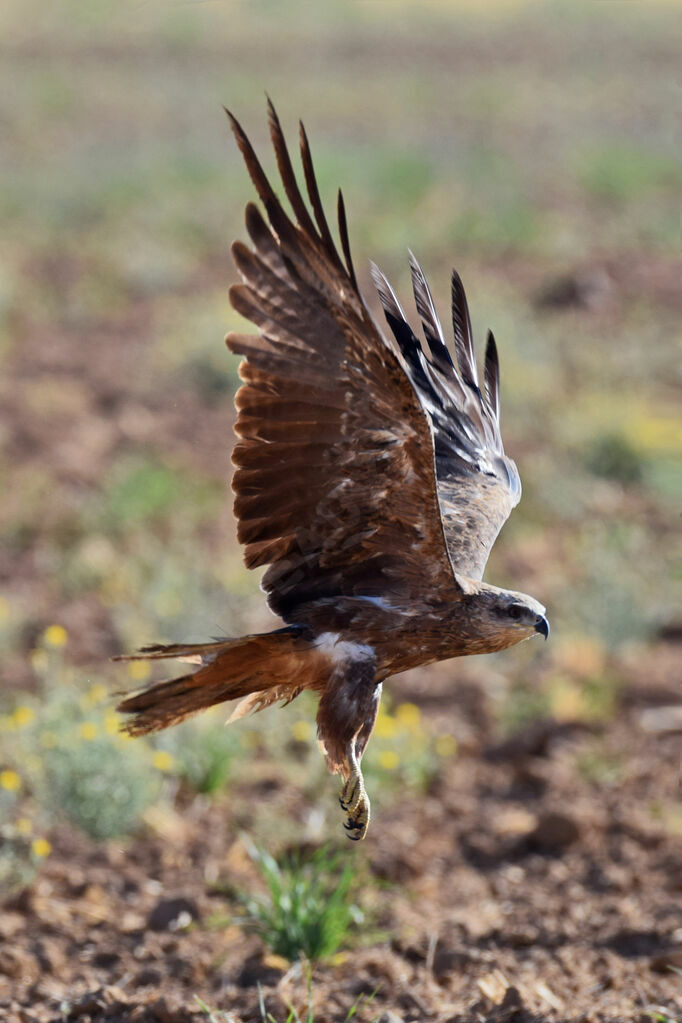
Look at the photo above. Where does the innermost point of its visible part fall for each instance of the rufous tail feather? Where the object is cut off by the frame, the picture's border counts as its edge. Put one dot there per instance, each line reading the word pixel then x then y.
pixel 258 670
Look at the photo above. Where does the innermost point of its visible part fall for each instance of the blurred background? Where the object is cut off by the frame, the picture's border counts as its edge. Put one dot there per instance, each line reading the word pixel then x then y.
pixel 533 147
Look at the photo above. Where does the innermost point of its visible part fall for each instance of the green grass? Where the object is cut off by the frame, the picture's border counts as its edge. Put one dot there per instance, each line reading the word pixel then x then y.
pixel 305 912
pixel 140 493
pixel 213 1015
pixel 661 1016
pixel 623 173
pixel 522 705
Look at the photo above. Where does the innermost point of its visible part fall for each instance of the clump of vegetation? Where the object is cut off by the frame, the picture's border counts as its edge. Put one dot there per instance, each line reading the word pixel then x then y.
pixel 21 848
pixel 600 766
pixel 612 457
pixel 70 756
pixel 522 705
pixel 624 173
pixel 142 490
pixel 20 857
pixel 101 790
pixel 306 911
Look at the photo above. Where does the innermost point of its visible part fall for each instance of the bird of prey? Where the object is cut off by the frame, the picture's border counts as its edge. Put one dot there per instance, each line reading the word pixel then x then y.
pixel 370 479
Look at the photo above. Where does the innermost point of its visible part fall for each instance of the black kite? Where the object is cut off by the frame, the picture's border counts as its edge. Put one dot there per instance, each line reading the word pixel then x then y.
pixel 370 478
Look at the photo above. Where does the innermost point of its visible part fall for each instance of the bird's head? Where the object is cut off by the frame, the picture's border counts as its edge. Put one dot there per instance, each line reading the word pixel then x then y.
pixel 505 617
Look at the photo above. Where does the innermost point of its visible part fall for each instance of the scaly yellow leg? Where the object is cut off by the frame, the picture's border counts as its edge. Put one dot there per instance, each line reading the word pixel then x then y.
pixel 354 799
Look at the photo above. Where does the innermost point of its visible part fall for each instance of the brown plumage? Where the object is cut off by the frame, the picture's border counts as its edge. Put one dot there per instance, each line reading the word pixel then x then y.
pixel 370 478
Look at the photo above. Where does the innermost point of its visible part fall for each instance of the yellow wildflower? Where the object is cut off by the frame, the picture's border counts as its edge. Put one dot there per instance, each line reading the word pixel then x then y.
pixel 23 826
pixel 112 722
pixel 88 731
pixel 9 780
pixel 386 726
pixel 139 671
pixel 408 715
pixel 162 760
pixel 97 693
pixel 40 847
pixel 276 962
pixel 55 636
pixel 23 716
pixel 650 432
pixel 301 730
pixel 389 759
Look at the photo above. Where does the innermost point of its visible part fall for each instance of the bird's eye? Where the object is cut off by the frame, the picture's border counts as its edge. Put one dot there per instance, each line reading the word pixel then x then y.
pixel 516 611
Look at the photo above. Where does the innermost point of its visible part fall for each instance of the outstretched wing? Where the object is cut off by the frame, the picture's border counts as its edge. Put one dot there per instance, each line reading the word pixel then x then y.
pixel 477 484
pixel 335 482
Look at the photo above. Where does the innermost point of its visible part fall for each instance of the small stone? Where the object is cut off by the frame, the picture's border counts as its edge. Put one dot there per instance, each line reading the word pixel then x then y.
pixel 131 922
pixel 553 832
pixel 257 971
pixel 148 977
pixel 105 960
pixel 10 924
pixel 14 962
pixel 446 960
pixel 584 288
pixel 161 1012
pixel 172 914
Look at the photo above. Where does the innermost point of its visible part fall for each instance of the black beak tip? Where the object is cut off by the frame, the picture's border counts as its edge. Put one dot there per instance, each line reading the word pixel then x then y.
pixel 542 626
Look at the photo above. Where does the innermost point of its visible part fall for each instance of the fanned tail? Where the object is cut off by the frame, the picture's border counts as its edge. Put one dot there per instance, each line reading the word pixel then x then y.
pixel 259 669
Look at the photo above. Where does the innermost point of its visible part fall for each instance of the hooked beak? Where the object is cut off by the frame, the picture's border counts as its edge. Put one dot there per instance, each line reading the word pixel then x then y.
pixel 542 626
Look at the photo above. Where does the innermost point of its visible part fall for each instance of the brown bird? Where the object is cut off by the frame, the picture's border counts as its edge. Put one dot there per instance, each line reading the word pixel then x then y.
pixel 370 478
